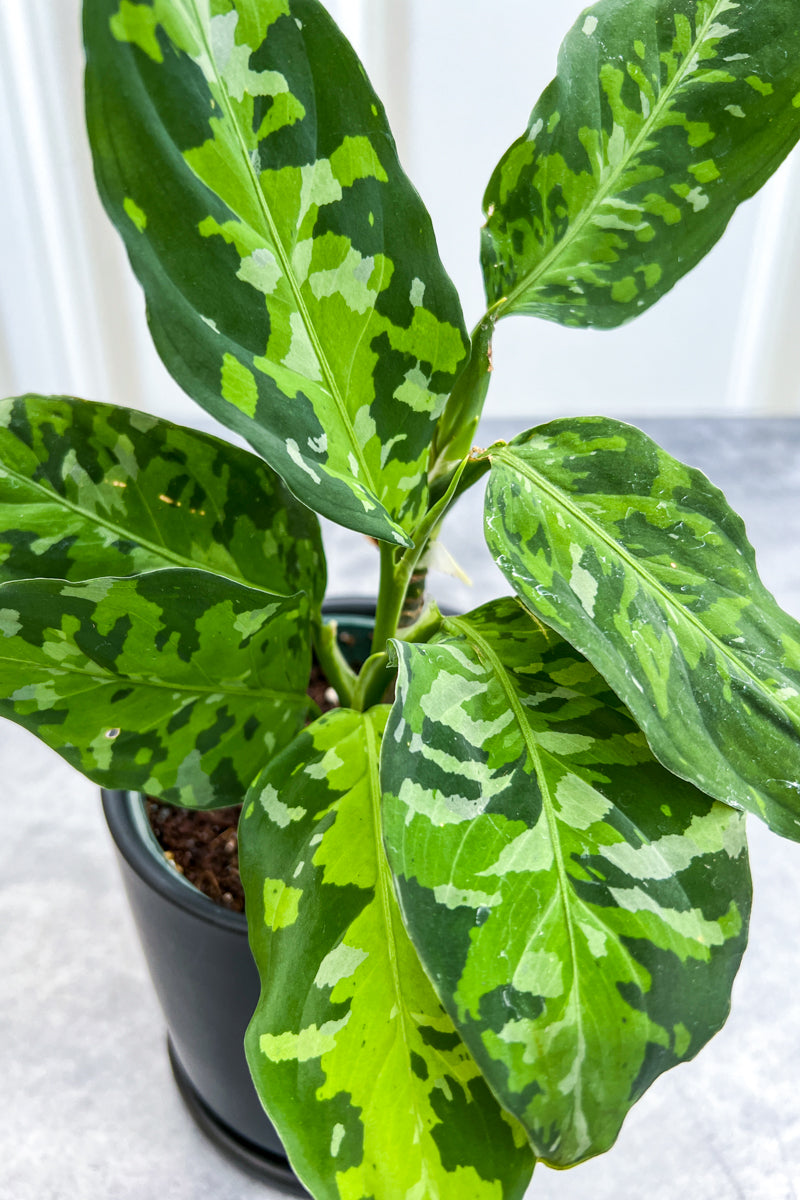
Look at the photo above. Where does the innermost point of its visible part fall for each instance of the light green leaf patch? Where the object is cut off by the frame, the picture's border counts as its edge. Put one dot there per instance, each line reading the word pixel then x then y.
pixel 347 1021
pixel 582 912
pixel 280 904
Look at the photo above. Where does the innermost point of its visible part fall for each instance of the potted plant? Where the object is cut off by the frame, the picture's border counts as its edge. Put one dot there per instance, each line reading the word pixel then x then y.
pixel 504 885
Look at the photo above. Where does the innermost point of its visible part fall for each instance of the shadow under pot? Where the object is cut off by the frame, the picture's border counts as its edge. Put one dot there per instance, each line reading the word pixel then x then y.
pixel 204 976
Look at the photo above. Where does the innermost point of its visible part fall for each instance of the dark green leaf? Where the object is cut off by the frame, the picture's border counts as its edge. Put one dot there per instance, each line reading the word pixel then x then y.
pixel 372 1090
pixel 664 115
pixel 581 911
pixel 291 273
pixel 177 682
pixel 639 562
pixel 88 489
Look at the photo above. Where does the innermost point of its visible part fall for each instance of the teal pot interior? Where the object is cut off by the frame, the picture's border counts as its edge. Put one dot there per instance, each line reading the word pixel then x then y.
pixel 204 976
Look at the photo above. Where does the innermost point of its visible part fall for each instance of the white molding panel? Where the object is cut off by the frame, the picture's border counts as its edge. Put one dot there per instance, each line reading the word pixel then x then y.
pixel 72 317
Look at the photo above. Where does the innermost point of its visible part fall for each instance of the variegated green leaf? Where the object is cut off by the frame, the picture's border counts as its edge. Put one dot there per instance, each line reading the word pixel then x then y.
pixel 372 1091
pixel 176 682
pixel 292 278
pixel 581 911
pixel 664 115
pixel 88 489
pixel 639 562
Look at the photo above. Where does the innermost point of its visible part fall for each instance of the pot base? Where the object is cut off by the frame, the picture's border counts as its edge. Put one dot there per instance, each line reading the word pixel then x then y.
pixel 250 1158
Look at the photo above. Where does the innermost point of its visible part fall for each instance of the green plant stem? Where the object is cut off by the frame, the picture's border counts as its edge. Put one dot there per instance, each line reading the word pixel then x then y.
pixel 374 679
pixel 391 596
pixel 335 667
pixel 425 627
pixel 451 455
pixel 396 573
pixel 377 672
pixel 458 423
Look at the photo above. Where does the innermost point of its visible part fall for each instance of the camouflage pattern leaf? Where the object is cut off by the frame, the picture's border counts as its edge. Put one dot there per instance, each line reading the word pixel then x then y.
pixel 581 912
pixel 176 683
pixel 639 562
pixel 293 283
pixel 348 1027
pixel 664 116
pixel 90 489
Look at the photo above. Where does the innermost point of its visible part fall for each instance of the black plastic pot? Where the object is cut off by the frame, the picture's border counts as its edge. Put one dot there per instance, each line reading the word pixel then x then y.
pixel 204 976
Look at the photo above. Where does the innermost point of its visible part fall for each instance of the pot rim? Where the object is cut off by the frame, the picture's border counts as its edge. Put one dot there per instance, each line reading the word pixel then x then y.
pixel 126 819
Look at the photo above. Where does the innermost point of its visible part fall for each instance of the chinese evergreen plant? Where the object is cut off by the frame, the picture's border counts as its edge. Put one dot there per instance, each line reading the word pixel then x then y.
pixel 491 905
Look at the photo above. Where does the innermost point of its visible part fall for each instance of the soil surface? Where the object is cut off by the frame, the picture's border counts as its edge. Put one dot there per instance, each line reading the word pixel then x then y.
pixel 204 845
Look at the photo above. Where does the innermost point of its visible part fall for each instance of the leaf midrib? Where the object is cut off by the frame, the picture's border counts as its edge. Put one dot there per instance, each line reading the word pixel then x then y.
pixel 540 481
pixel 94 518
pixel 107 678
pixel 567 892
pixel 601 195
pixel 285 263
pixel 385 893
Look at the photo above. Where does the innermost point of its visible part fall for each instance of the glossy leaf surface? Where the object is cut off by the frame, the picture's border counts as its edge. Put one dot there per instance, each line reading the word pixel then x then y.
pixel 89 489
pixel 348 1025
pixel 293 284
pixel 664 115
pixel 638 561
pixel 175 683
pixel 581 911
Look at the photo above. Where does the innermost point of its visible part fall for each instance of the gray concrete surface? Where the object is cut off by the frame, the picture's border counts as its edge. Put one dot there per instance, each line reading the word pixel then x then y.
pixel 88 1110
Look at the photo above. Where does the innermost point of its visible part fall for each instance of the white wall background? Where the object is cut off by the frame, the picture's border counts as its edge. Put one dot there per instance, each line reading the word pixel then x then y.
pixel 458 88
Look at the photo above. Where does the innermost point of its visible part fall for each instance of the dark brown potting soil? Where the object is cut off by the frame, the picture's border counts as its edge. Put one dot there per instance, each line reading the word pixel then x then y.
pixel 204 846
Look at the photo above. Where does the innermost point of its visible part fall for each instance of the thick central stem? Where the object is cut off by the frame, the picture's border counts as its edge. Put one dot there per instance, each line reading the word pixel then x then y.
pixel 391 597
